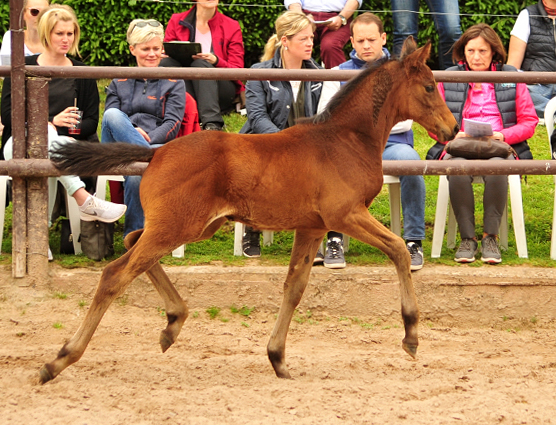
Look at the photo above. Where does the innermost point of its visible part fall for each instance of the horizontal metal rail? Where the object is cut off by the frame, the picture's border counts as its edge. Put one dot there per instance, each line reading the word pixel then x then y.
pixel 45 168
pixel 266 74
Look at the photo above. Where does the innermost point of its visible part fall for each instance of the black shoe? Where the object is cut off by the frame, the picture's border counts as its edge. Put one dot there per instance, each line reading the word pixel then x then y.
pixel 252 243
pixel 213 126
pixel 334 257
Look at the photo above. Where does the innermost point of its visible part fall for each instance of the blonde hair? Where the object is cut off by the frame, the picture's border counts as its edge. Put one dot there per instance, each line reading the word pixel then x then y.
pixel 288 24
pixel 139 35
pixel 50 17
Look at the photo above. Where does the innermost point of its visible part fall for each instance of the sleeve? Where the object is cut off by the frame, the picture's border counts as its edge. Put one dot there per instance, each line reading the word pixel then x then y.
pixel 329 89
pixel 88 101
pixel 288 2
pixel 174 109
pixel 521 27
pixel 6 49
pixel 6 108
pixel 235 50
pixel 526 117
pixel 257 109
pixel 170 33
pixel 112 98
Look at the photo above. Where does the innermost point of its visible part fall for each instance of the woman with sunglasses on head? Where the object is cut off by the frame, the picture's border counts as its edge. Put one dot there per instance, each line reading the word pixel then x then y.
pixel 59 34
pixel 144 112
pixel 32 43
pixel 222 47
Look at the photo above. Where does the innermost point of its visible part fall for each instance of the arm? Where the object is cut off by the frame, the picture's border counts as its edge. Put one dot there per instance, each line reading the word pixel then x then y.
pixel 350 7
pixel 112 97
pixel 170 33
pixel 526 117
pixel 88 101
pixel 293 5
pixel 235 52
pixel 174 109
pixel 257 110
pixel 516 52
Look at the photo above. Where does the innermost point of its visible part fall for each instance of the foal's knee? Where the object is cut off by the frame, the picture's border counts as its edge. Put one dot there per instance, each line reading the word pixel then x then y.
pixel 132 238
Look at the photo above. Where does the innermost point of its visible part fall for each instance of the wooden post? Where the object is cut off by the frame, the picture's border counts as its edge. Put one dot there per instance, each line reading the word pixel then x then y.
pixel 19 240
pixel 37 187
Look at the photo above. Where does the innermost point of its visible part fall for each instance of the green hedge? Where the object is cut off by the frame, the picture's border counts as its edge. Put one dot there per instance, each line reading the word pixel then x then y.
pixel 104 23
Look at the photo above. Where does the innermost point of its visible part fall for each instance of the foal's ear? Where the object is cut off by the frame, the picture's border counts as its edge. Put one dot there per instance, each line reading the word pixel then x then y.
pixel 409 46
pixel 417 56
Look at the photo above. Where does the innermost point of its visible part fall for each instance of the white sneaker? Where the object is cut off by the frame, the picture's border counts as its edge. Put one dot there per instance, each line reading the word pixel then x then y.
pixel 97 209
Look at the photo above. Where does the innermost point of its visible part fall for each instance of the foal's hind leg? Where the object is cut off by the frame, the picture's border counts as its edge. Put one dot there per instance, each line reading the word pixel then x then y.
pixel 304 250
pixel 174 305
pixel 367 229
pixel 113 282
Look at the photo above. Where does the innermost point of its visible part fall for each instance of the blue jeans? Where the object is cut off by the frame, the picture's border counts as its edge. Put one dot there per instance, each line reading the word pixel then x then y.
pixel 446 21
pixel 117 127
pixel 412 192
pixel 540 95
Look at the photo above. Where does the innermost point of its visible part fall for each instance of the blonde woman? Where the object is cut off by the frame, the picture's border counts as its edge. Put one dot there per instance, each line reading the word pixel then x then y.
pixel 59 34
pixel 275 105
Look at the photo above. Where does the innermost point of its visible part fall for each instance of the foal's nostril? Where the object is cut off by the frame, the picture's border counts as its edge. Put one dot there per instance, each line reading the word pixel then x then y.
pixel 456 129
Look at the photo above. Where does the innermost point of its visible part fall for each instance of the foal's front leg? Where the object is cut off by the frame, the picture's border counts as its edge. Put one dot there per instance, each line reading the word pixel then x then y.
pixel 303 253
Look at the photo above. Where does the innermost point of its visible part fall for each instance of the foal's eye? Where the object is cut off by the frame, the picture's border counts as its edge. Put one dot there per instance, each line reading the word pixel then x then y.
pixel 429 89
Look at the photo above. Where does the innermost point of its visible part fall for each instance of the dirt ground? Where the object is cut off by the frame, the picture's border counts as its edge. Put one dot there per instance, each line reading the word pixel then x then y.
pixel 486 354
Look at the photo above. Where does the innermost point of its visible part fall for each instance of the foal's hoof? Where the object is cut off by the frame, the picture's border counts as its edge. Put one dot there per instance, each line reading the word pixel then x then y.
pixel 44 376
pixel 165 341
pixel 410 349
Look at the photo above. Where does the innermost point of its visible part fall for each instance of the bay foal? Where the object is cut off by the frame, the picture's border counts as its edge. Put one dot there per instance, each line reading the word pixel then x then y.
pixel 273 181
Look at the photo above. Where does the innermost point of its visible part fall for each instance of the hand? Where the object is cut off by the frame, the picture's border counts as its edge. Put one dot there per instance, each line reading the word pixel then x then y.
pixel 143 133
pixel 209 57
pixel 66 118
pixel 335 24
pixel 461 134
pixel 498 136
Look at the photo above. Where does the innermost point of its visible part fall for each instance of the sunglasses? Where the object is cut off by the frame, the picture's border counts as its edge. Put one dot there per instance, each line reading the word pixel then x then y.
pixel 34 12
pixel 142 24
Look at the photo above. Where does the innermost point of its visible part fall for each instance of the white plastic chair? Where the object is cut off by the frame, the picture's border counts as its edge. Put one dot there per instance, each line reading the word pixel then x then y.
pixel 101 193
pixel 394 192
pixel 442 203
pixel 549 112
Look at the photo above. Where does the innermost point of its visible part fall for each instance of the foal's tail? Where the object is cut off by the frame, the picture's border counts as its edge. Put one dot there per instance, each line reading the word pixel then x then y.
pixel 86 158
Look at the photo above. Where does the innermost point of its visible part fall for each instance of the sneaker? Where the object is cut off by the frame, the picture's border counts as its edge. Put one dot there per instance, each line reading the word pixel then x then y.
pixel 467 250
pixel 490 253
pixel 252 243
pixel 212 126
pixel 97 209
pixel 416 252
pixel 319 258
pixel 50 256
pixel 334 257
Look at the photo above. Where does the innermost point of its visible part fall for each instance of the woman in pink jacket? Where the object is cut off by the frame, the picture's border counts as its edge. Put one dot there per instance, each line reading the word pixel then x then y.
pixel 222 47
pixel 510 111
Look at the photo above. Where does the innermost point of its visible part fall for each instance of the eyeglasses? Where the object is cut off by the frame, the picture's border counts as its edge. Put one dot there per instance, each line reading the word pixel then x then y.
pixel 34 12
pixel 151 22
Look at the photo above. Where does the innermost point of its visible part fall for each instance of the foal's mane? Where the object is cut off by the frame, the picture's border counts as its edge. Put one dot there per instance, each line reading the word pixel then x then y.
pixel 343 93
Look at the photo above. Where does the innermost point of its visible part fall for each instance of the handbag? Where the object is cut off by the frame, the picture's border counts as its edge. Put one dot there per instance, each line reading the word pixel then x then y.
pixel 66 238
pixel 97 239
pixel 478 148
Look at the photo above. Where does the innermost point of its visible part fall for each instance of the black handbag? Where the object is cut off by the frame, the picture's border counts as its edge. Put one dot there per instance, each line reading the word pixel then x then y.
pixel 479 148
pixel 97 239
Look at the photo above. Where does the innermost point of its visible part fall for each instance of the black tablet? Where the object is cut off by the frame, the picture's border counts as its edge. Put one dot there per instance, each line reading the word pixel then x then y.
pixel 182 51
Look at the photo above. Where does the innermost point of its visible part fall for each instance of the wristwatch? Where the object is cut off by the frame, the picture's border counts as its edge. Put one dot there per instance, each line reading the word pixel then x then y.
pixel 344 20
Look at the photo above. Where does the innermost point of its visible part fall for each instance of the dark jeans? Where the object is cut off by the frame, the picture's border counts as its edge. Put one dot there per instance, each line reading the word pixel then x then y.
pixel 214 97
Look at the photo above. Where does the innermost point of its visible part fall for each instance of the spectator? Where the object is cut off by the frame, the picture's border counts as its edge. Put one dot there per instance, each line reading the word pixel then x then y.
pixel 333 35
pixel 59 34
pixel 275 105
pixel 368 40
pixel 222 47
pixel 509 109
pixel 32 44
pixel 533 48
pixel 144 112
pixel 446 21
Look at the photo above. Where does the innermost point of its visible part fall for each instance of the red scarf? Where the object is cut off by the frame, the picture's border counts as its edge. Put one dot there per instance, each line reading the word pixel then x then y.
pixel 549 10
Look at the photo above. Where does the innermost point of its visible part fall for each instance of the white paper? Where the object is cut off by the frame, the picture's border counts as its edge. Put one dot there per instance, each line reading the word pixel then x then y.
pixel 477 128
pixel 323 22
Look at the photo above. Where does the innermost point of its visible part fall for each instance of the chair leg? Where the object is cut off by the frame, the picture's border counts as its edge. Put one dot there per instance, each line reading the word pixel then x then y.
pixel 503 232
pixel 268 237
pixel 517 215
pixel 75 222
pixel 440 217
pixel 553 240
pixel 238 238
pixel 394 193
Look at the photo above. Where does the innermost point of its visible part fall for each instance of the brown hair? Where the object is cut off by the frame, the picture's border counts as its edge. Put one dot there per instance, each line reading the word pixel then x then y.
pixel 367 18
pixel 488 34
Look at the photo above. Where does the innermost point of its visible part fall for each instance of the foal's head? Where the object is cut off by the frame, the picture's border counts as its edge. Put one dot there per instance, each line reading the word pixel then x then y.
pixel 421 100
